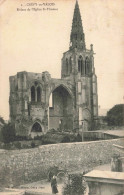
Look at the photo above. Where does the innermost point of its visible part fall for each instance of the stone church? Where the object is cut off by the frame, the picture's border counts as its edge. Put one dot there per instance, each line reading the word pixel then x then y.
pixel 39 103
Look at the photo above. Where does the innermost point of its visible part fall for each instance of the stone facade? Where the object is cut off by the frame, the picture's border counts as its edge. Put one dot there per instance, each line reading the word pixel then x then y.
pixel 74 97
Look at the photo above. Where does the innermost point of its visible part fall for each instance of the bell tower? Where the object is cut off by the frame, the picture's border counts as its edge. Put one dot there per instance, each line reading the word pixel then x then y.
pixel 78 68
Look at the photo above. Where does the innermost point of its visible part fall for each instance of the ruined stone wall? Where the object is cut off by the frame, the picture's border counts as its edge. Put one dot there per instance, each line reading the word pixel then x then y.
pixel 21 166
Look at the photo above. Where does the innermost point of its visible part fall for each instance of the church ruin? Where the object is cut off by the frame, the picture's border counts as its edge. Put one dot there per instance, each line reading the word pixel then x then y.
pixel 74 99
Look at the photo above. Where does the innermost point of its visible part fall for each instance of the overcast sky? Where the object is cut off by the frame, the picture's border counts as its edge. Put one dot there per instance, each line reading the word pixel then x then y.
pixel 34 41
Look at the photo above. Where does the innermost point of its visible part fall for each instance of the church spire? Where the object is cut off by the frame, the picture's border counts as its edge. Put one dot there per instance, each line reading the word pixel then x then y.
pixel 77 38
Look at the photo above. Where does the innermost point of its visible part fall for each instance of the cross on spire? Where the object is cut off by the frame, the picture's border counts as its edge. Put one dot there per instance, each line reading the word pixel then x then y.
pixel 77 37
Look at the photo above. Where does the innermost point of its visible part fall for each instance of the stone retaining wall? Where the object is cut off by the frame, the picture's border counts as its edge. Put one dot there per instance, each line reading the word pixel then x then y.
pixel 98 135
pixel 27 165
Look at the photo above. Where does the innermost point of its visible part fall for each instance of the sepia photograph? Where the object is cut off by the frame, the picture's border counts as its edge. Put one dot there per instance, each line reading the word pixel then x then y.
pixel 61 97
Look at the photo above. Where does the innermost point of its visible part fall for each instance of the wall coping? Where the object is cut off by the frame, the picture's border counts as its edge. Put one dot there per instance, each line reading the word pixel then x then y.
pixel 4 152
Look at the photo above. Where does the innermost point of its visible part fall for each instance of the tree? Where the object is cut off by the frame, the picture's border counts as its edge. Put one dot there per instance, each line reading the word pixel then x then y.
pixel 115 116
pixel 8 133
pixel 2 123
pixel 2 120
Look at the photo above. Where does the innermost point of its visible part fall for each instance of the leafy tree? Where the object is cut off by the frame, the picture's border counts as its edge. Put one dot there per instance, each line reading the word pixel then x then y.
pixel 115 116
pixel 8 133
pixel 2 122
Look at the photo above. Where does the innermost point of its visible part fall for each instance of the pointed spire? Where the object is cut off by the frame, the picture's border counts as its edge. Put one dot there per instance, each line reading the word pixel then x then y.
pixel 77 38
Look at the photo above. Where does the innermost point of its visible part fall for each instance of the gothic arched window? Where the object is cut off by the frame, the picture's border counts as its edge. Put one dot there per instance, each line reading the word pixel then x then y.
pixel 70 64
pixel 38 94
pixel 67 67
pixel 81 65
pixel 87 65
pixel 33 94
pixel 36 127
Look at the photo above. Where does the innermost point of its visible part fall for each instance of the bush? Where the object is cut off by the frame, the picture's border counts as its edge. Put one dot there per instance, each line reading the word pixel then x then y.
pixel 20 138
pixel 17 145
pixel 7 146
pixel 38 137
pixel 53 130
pixel 8 133
pixel 78 138
pixel 75 185
pixel 32 144
pixel 65 139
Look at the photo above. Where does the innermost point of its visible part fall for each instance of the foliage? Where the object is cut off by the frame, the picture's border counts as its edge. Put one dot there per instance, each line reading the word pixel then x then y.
pixel 38 137
pixel 2 120
pixel 75 185
pixel 65 139
pixel 8 133
pixel 18 145
pixel 58 137
pixel 52 130
pixel 20 138
pixel 32 144
pixel 115 116
pixel 7 146
pixel 78 138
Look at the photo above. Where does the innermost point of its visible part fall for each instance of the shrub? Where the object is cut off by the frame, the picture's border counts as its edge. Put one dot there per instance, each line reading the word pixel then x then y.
pixel 65 139
pixel 8 133
pixel 38 137
pixel 75 185
pixel 17 145
pixel 20 138
pixel 52 130
pixel 7 146
pixel 32 144
pixel 78 138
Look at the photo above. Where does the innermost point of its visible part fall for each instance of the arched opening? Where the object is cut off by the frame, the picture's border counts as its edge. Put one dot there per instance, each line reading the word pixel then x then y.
pixel 33 94
pixel 36 127
pixel 80 65
pixel 61 112
pixel 67 67
pixel 87 66
pixel 70 64
pixel 38 94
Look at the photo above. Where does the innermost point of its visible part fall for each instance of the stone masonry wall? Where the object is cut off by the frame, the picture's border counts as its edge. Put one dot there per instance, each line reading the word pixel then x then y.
pixel 27 165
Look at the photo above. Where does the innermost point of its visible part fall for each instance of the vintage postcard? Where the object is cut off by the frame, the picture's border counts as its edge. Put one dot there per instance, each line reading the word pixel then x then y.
pixel 61 97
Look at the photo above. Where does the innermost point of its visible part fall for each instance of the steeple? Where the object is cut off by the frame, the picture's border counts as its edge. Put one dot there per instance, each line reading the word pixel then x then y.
pixel 77 37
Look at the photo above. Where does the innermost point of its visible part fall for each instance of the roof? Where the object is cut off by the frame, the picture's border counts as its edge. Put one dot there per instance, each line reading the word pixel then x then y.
pixel 105 177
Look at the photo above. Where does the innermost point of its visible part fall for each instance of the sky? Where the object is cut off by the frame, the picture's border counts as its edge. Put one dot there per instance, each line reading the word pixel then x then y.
pixel 35 41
